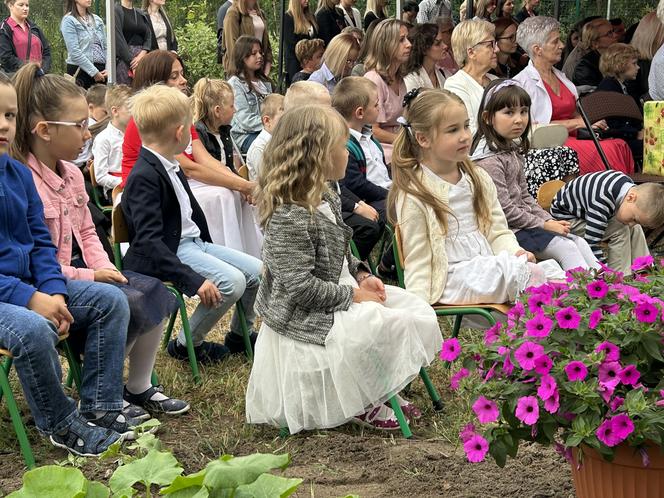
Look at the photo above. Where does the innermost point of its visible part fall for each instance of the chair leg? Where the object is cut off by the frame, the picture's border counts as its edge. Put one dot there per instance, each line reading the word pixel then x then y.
pixel 189 342
pixel 154 379
pixel 74 363
pixel 457 325
pixel 245 330
pixel 431 389
pixel 17 422
pixel 6 367
pixel 70 379
pixel 403 423
pixel 284 432
pixel 169 329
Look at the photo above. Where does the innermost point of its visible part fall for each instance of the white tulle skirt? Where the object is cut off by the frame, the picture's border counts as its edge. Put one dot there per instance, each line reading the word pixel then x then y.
pixel 372 352
pixel 230 219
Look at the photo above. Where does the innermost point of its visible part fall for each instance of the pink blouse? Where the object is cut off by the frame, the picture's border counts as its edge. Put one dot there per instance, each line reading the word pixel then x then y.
pixel 391 108
pixel 20 38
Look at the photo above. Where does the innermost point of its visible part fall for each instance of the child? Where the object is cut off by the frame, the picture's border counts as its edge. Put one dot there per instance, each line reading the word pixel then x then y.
pixel 214 107
pixel 250 86
pixel 38 304
pixel 500 145
pixel 271 110
pixel 169 237
pixel 313 369
pixel 306 92
pixel 607 207
pixel 309 54
pixel 456 244
pixel 80 253
pixel 95 97
pixel 107 146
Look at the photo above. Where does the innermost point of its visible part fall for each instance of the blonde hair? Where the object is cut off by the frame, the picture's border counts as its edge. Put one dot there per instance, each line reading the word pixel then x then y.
pixel 479 9
pixel 613 61
pixel 337 53
pixel 296 161
pixel 426 114
pixel 306 49
pixel 158 106
pixel 650 200
pixel 305 92
pixel 242 8
pixel 466 35
pixel 117 96
pixel 350 93
pixel 303 20
pixel 590 33
pixel 649 36
pixel 382 47
pixel 272 104
pixel 209 93
pixel 377 7
pixel 326 4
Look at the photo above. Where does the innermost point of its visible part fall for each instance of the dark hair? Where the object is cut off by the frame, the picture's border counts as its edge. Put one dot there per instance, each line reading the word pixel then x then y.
pixel 410 6
pixel 242 49
pixel 422 37
pixel 616 21
pixel 499 9
pixel 502 23
pixel 70 8
pixel 155 67
pixel 510 96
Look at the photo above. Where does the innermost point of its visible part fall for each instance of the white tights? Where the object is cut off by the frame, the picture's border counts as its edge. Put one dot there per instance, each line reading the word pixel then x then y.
pixel 142 353
pixel 571 252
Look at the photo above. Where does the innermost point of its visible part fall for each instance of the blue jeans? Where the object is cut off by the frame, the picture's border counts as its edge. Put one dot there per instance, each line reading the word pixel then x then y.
pixel 101 314
pixel 236 275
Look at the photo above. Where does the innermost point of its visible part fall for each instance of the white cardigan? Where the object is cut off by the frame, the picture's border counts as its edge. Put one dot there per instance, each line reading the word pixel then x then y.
pixel 540 107
pixel 356 21
pixel 470 91
pixel 420 79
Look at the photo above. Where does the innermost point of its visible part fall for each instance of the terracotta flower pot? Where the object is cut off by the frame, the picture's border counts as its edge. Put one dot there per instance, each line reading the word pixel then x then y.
pixel 625 477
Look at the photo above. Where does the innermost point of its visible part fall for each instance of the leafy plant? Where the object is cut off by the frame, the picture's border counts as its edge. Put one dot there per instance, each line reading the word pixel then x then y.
pixel 577 364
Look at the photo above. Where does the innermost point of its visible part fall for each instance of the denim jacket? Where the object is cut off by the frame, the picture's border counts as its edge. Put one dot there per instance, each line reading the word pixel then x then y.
pixel 79 40
pixel 247 118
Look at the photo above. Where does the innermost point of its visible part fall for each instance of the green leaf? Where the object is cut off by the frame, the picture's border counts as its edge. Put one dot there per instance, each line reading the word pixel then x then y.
pixel 146 442
pixel 268 486
pixel 184 482
pixel 191 492
pixel 113 451
pixel 97 490
pixel 573 440
pixel 233 472
pixel 652 344
pixel 157 467
pixel 499 453
pixel 53 482
pixel 124 493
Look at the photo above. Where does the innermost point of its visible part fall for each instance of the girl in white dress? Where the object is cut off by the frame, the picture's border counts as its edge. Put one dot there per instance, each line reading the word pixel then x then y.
pixel 335 343
pixel 456 243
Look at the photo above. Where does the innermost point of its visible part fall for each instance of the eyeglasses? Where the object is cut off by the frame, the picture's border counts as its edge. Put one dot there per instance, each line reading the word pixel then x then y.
pixel 608 33
pixel 510 38
pixel 81 125
pixel 351 62
pixel 488 43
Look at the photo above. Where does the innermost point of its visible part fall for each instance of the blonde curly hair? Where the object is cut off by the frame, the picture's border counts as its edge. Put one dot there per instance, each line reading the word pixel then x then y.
pixel 296 162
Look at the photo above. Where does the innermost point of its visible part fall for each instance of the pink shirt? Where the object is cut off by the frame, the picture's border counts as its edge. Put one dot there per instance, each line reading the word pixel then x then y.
pixel 391 108
pixel 66 213
pixel 20 37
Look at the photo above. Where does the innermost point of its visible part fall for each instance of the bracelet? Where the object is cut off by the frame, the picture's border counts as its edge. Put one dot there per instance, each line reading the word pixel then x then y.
pixel 363 278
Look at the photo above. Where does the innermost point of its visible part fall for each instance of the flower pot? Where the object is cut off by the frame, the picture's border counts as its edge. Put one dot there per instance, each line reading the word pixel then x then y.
pixel 625 477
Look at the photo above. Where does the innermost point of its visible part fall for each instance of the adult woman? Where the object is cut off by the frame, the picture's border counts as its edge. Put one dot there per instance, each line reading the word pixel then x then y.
pixel 21 40
pixel 352 16
pixel 338 60
pixel 375 11
pixel 647 39
pixel 85 39
pixel 504 8
pixel 330 20
pixel 219 191
pixel 528 10
pixel 508 57
pixel 133 39
pixel 427 51
pixel 245 17
pixel 445 29
pixel 161 29
pixel 385 63
pixel 596 37
pixel 482 9
pixel 554 96
pixel 299 24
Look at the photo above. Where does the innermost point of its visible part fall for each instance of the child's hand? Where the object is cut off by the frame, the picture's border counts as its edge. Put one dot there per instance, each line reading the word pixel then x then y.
pixel 109 276
pixel 561 227
pixel 361 295
pixel 209 294
pixel 374 284
pixel 53 308
pixel 529 255
pixel 366 211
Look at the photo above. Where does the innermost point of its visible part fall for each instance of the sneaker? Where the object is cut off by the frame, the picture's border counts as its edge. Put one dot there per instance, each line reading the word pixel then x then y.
pixel 115 421
pixel 136 412
pixel 411 411
pixel 380 417
pixel 207 352
pixel 168 406
pixel 83 438
pixel 235 342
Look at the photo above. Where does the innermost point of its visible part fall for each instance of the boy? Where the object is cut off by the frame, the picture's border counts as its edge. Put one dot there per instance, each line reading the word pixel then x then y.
pixel 107 146
pixel 608 207
pixel 309 53
pixel 169 237
pixel 95 97
pixel 271 110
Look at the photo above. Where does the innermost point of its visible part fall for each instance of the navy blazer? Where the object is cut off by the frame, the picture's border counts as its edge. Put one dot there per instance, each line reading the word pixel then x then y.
pixel 152 213
pixel 356 178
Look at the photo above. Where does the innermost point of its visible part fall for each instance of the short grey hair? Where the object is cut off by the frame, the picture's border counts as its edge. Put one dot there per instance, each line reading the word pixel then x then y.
pixel 534 31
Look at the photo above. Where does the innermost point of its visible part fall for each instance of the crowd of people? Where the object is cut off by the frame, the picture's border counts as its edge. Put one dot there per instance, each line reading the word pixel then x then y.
pixel 234 193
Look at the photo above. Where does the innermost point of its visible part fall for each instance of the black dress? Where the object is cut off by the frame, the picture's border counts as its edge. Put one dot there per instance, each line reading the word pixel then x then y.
pixel 291 38
pixel 330 23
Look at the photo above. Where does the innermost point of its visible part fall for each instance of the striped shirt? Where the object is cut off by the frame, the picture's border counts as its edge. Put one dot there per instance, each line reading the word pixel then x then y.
pixel 594 198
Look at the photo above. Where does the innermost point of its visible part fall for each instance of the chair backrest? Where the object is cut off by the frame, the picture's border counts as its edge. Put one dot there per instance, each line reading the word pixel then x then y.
pixel 398 256
pixel 93 178
pixel 601 105
pixel 548 135
pixel 117 190
pixel 119 230
pixel 243 171
pixel 547 192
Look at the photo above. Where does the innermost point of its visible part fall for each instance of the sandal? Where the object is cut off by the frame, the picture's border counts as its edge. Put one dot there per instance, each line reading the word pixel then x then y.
pixel 83 438
pixel 115 421
pixel 411 411
pixel 168 406
pixel 380 417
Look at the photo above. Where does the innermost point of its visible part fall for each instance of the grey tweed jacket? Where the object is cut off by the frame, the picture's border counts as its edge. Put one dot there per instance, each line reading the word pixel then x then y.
pixel 302 260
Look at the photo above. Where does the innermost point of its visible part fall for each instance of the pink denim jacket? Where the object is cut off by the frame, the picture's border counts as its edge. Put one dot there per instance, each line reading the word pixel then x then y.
pixel 66 213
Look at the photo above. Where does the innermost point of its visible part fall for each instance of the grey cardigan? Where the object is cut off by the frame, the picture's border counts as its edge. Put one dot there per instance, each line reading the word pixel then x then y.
pixel 302 257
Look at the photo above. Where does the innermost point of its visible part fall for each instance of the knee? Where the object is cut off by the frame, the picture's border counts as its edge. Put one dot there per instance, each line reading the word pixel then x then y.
pixel 115 300
pixel 234 285
pixel 34 334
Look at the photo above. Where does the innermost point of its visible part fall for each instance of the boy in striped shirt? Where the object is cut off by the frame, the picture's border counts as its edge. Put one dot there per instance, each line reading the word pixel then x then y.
pixel 608 207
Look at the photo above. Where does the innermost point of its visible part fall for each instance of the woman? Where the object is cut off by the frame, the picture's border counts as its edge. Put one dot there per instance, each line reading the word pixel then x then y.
pixel 245 17
pixel 352 16
pixel 299 24
pixel 21 40
pixel 375 11
pixel 445 29
pixel 554 96
pixel 597 36
pixel 85 39
pixel 338 61
pixel 387 56
pixel 508 56
pixel 428 50
pixel 647 39
pixel 133 39
pixel 528 10
pixel 505 8
pixel 482 9
pixel 161 29
pixel 330 20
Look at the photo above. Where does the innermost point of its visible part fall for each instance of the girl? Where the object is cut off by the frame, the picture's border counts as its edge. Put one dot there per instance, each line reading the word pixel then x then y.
pixel 299 24
pixel 133 39
pixel 313 370
pixel 457 247
pixel 51 129
pixel 250 86
pixel 230 218
pixel 330 20
pixel 502 138
pixel 504 8
pixel 338 60
pixel 161 29
pixel 375 11
pixel 245 17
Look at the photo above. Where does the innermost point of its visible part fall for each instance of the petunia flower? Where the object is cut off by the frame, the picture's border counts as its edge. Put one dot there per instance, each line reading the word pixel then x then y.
pixel 547 387
pixel 486 410
pixel 492 334
pixel 516 312
pixel 611 309
pixel 539 325
pixel 606 391
pixel 629 375
pixel 605 433
pixel 594 319
pixel 476 448
pixel 456 378
pixel 646 312
pixel 597 289
pixel 609 374
pixel 467 432
pixel 568 318
pixel 491 372
pixel 642 262
pixel 507 367
pixel 552 404
pixel 526 353
pixel 543 364
pixel 527 410
pixel 612 352
pixel 616 403
pixel 575 371
pixel 622 426
pixel 451 349
pixel 537 300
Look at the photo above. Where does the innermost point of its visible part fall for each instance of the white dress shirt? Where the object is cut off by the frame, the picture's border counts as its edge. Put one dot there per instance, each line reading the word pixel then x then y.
pixel 376 169
pixel 255 154
pixel 107 155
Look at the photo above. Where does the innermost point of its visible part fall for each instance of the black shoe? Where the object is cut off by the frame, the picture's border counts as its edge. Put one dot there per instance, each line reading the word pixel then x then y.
pixel 168 406
pixel 136 412
pixel 387 273
pixel 115 421
pixel 85 439
pixel 235 342
pixel 207 352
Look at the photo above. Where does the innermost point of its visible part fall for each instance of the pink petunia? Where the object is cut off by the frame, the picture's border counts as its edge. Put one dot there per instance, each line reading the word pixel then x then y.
pixel 568 318
pixel 476 448
pixel 605 433
pixel 491 372
pixel 486 410
pixel 609 374
pixel 612 352
pixel 594 319
pixel 575 371
pixel 543 364
pixel 622 426
pixel 552 404
pixel 642 262
pixel 616 403
pixel 539 325
pixel 456 378
pixel 527 410
pixel 492 334
pixel 646 312
pixel 547 387
pixel 507 367
pixel 537 300
pixel 516 312
pixel 451 349
pixel 467 432
pixel 606 391
pixel 611 309
pixel 629 375
pixel 526 353
pixel 597 289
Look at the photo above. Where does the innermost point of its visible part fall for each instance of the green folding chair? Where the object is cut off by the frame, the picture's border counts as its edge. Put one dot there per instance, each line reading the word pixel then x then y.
pixel 96 198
